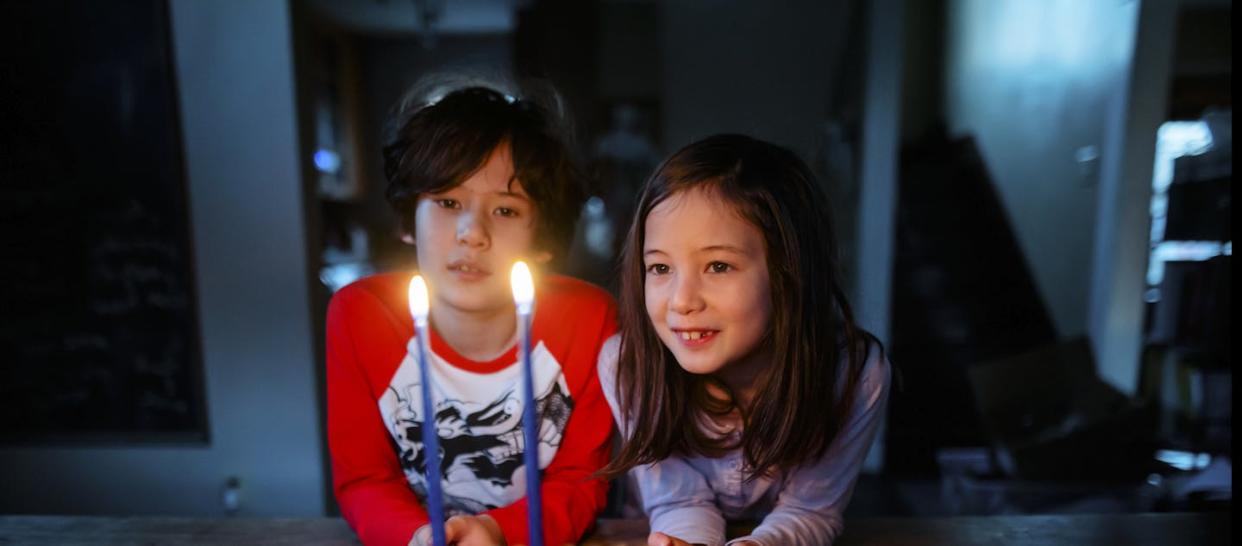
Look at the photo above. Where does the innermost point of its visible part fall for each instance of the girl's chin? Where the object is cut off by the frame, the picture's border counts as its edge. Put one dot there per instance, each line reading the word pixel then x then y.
pixel 697 365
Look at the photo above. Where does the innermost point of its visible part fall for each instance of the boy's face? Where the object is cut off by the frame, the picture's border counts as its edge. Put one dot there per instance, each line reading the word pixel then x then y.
pixel 468 238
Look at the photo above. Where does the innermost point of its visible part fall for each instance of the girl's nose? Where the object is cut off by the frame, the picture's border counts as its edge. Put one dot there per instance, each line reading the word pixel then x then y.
pixel 685 298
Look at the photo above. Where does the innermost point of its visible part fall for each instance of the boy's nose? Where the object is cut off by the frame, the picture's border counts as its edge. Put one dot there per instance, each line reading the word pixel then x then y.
pixel 471 232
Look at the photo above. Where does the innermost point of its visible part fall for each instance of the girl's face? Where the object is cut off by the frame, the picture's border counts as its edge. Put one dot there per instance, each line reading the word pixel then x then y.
pixel 706 286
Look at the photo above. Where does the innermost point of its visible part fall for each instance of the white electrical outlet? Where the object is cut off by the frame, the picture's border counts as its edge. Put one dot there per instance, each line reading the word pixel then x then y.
pixel 230 495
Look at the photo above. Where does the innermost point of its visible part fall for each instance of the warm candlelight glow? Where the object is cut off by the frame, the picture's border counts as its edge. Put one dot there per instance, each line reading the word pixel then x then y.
pixel 523 286
pixel 524 297
pixel 419 304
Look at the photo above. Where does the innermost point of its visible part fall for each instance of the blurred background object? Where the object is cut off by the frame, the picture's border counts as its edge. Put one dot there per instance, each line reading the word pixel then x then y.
pixel 1033 202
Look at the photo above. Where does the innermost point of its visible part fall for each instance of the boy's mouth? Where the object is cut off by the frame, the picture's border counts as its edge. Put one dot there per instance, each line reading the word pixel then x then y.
pixel 468 269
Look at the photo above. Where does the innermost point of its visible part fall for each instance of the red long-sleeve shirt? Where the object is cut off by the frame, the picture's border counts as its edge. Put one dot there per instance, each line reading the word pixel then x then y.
pixel 375 415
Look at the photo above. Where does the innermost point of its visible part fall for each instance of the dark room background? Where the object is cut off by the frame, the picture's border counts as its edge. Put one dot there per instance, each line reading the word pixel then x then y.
pixel 1033 201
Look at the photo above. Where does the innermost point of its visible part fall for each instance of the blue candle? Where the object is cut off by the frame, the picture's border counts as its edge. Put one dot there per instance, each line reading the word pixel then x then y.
pixel 524 298
pixel 420 305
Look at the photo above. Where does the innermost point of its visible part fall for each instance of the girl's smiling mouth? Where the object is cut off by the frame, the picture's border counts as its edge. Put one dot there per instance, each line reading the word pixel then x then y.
pixel 695 337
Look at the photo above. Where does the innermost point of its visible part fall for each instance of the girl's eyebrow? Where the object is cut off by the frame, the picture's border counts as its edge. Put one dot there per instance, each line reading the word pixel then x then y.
pixel 711 248
pixel 726 248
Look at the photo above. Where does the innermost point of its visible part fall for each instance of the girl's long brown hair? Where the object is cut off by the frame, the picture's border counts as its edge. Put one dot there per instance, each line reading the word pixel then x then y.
pixel 799 405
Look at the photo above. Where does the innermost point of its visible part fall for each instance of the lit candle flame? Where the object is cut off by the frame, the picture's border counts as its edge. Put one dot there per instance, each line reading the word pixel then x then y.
pixel 419 304
pixel 524 297
pixel 523 286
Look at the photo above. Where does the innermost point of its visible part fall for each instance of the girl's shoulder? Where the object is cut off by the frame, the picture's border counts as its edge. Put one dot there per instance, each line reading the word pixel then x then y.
pixel 606 364
pixel 874 377
pixel 876 370
pixel 606 368
pixel 874 374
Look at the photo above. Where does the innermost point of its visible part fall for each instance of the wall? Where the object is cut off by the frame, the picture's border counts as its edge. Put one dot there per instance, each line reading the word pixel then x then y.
pixel 1123 226
pixel 234 70
pixel 1032 82
pixel 748 67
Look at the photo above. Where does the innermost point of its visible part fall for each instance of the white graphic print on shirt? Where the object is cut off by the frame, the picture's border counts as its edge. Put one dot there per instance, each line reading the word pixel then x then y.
pixel 479 421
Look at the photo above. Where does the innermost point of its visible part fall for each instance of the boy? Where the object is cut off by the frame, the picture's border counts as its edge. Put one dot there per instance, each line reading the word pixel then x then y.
pixel 479 180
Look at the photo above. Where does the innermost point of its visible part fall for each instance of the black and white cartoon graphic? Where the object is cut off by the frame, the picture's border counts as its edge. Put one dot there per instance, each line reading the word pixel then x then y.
pixel 481 444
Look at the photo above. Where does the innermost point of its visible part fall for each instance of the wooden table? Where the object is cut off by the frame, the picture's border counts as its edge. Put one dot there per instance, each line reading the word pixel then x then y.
pixel 1094 530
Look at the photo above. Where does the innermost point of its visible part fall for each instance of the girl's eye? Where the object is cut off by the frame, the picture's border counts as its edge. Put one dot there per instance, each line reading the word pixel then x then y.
pixel 507 212
pixel 448 203
pixel 657 269
pixel 719 267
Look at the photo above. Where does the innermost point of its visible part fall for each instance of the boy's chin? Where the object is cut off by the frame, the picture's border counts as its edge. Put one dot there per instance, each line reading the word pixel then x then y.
pixel 475 300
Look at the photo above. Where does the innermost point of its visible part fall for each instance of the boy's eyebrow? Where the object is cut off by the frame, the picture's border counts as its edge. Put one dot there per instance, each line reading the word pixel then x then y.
pixel 507 193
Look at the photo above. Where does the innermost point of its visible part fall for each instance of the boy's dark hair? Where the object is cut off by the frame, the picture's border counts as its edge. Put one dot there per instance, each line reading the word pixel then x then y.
pixel 801 401
pixel 436 145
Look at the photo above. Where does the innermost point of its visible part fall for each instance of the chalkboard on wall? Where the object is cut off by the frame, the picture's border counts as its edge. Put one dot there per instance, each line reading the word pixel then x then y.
pixel 98 331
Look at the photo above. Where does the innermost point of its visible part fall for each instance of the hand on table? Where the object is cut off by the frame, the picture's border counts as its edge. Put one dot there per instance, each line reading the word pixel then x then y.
pixel 466 531
pixel 661 539
pixel 473 531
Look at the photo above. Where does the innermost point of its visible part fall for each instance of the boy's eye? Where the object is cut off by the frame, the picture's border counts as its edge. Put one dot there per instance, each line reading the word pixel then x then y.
pixel 657 269
pixel 506 212
pixel 719 267
pixel 448 203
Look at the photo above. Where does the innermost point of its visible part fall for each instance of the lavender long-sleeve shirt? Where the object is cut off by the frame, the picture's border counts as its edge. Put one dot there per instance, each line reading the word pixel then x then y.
pixel 690 497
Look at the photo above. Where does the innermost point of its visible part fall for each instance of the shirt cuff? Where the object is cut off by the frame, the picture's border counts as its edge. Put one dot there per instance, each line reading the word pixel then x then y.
pixel 421 536
pixel 695 525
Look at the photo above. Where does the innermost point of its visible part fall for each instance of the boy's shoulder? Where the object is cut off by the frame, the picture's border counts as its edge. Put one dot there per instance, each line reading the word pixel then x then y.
pixel 564 292
pixel 389 291
pixel 380 292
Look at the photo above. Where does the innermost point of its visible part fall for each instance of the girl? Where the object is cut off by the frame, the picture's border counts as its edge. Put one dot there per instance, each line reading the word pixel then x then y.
pixel 742 385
